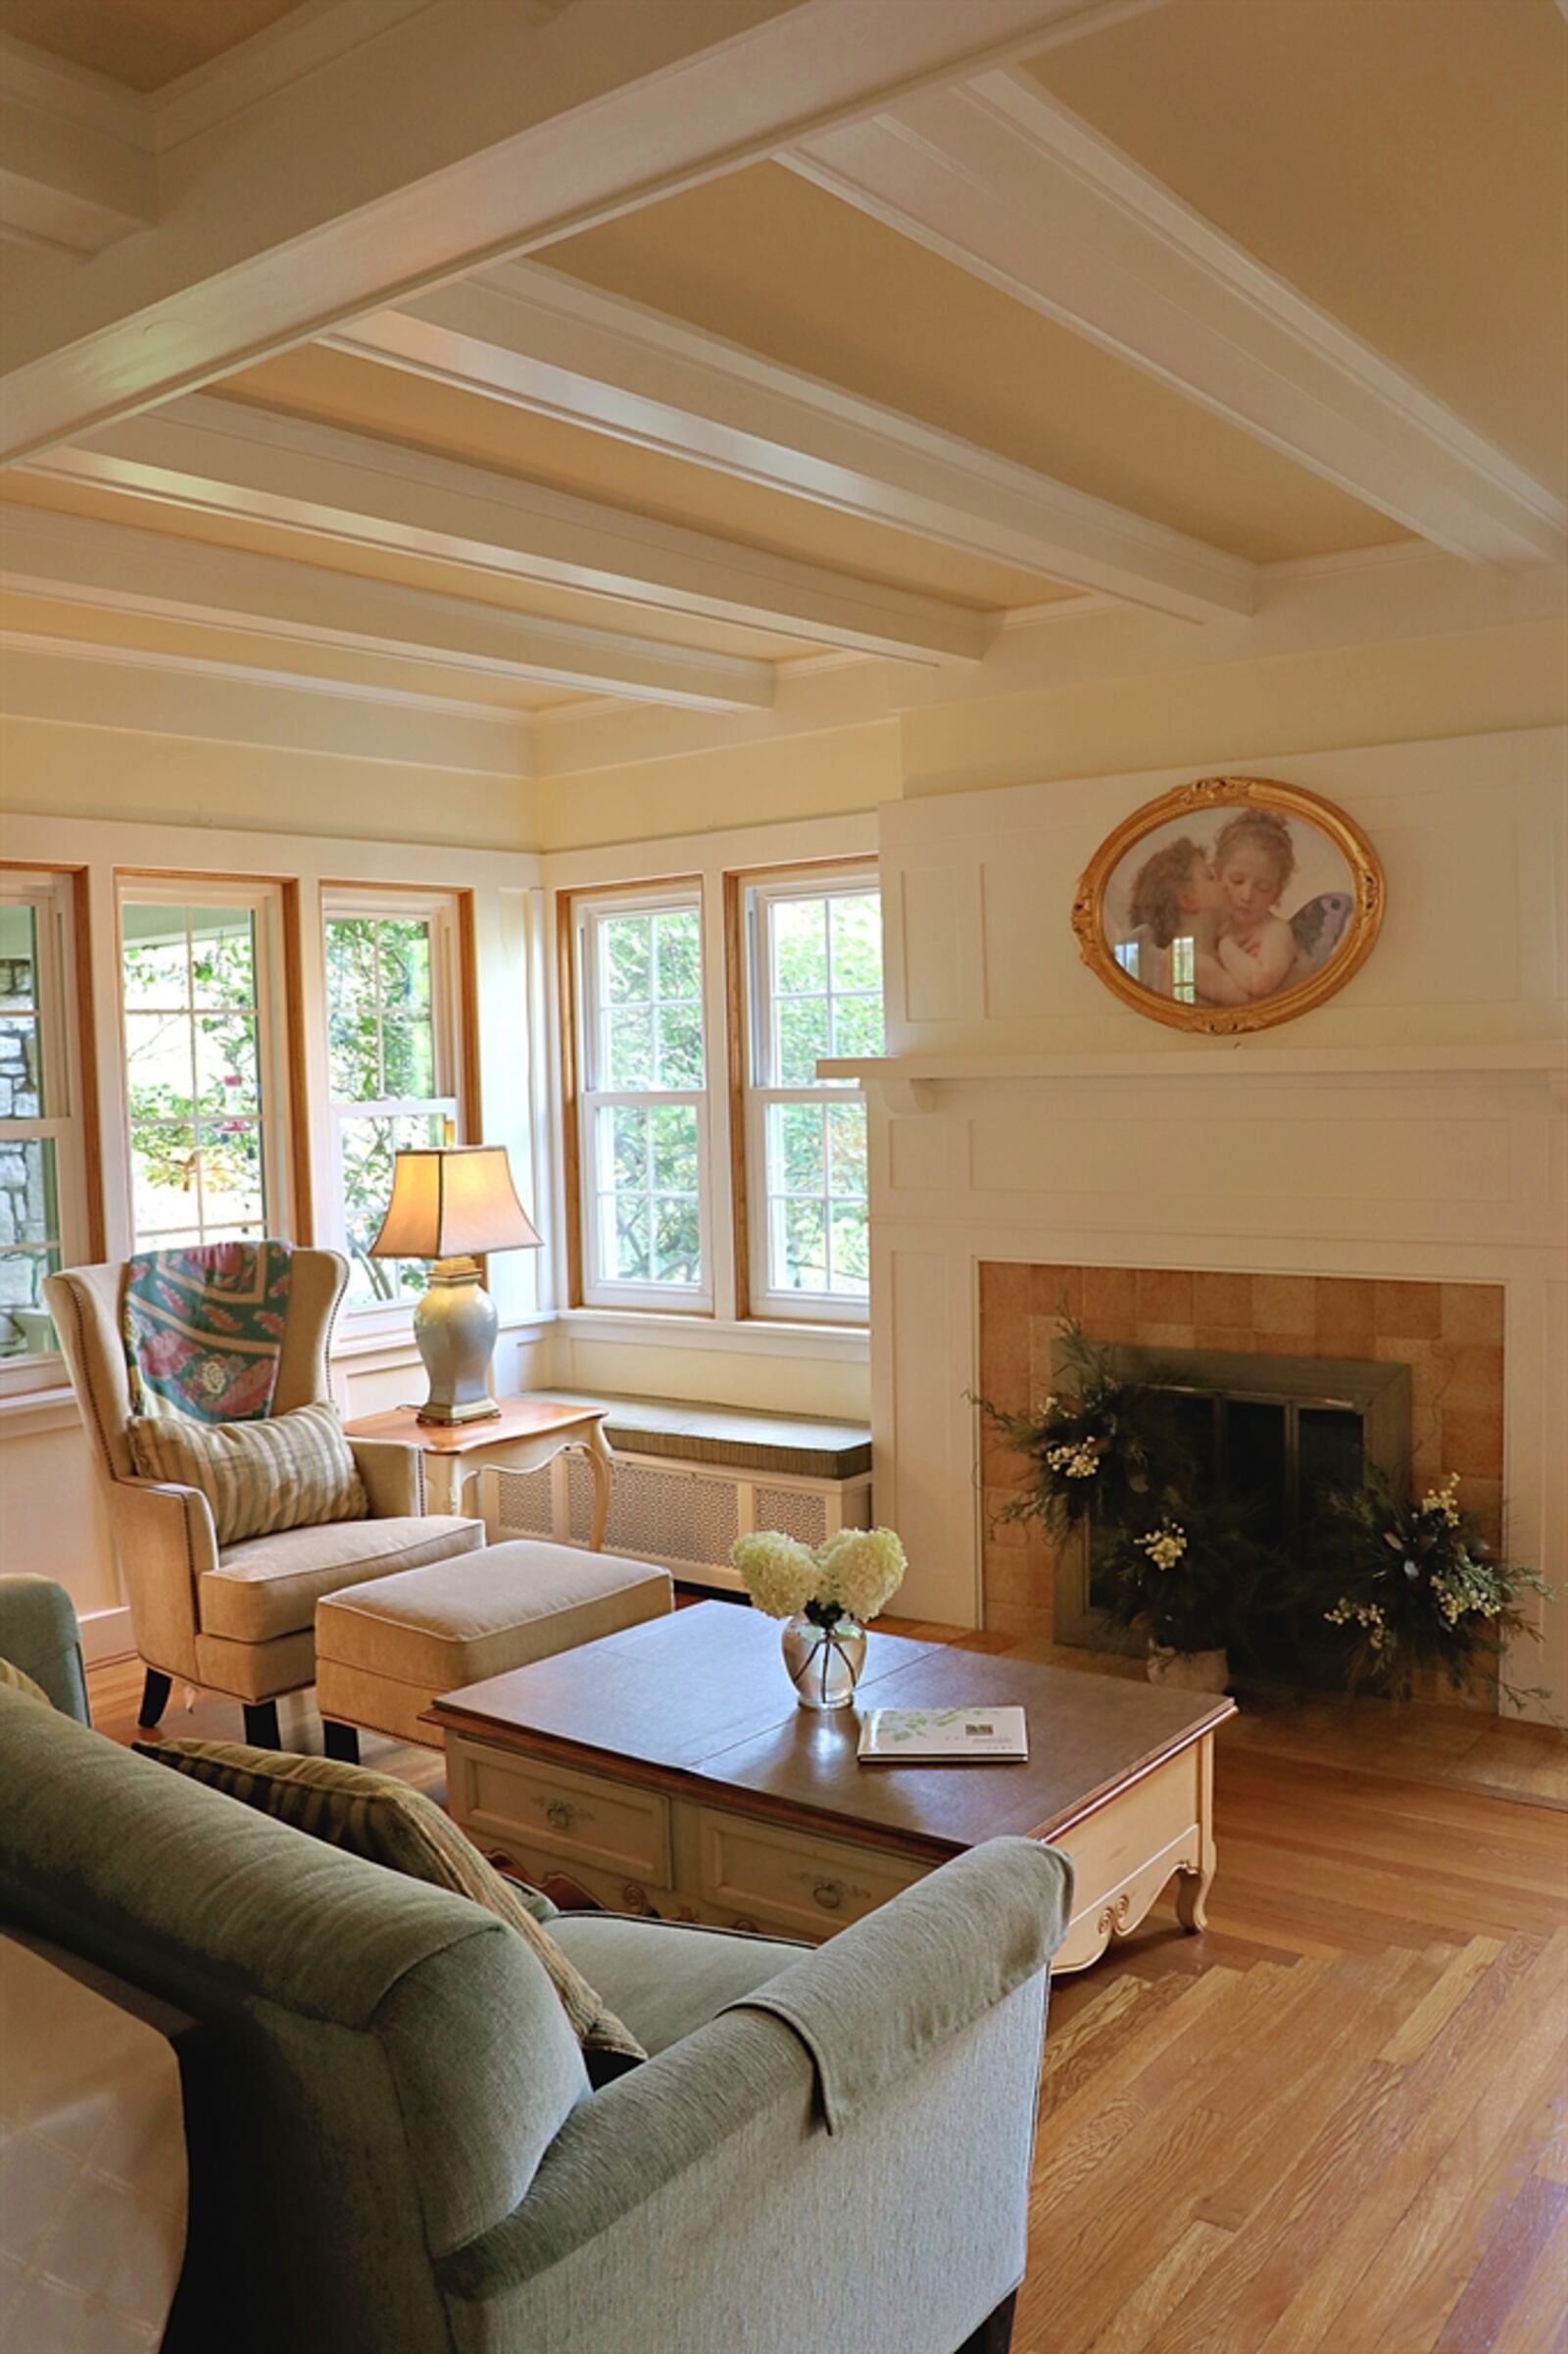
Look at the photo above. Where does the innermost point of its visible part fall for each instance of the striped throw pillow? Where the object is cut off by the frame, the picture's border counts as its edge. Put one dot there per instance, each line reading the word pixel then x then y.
pixel 290 1471
pixel 385 1820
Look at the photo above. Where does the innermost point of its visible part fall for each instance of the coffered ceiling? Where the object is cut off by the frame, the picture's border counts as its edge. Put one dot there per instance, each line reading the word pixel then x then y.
pixel 529 352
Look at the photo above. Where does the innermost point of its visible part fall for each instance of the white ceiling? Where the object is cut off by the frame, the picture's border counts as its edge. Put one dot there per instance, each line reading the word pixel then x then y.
pixel 529 353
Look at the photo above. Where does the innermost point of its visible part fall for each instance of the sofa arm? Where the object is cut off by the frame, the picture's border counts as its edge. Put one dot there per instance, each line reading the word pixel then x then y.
pixel 871 2004
pixel 896 2235
pixel 393 1473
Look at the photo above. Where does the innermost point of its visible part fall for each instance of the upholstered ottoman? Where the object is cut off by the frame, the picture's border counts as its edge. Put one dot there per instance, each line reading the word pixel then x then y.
pixel 385 1649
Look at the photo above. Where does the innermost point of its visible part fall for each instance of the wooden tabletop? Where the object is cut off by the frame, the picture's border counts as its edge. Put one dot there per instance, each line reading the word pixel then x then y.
pixel 700 1701
pixel 519 1418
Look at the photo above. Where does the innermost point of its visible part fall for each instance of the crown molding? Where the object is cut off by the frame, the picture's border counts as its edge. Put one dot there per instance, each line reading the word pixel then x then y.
pixel 227 458
pixel 535 340
pixel 1002 180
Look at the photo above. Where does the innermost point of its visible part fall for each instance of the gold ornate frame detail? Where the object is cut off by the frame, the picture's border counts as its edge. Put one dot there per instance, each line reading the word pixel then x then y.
pixel 1367 886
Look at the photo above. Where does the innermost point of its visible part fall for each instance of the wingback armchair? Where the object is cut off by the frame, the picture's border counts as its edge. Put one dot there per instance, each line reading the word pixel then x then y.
pixel 239 1618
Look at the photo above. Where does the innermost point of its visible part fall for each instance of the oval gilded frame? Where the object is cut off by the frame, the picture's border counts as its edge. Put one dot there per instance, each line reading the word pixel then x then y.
pixel 1208 793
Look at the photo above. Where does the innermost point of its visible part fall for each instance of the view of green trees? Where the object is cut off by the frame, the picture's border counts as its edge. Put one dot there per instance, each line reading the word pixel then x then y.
pixel 381 1051
pixel 650 1040
pixel 192 1074
pixel 826 1000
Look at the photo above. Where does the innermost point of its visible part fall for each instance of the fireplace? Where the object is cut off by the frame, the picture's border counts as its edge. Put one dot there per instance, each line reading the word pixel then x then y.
pixel 1271 1434
pixel 1324 1374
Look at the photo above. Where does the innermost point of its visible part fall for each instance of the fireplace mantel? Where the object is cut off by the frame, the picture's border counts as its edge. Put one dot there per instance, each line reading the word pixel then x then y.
pixel 911 1082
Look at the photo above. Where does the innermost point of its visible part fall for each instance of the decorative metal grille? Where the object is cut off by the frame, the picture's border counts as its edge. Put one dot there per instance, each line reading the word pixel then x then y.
pixel 525 1503
pixel 658 1515
pixel 793 1511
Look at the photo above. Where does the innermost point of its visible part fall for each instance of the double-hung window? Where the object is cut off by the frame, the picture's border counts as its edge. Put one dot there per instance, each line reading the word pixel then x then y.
pixel 813 956
pixel 393 991
pixel 643 1107
pixel 206 1091
pixel 43 1210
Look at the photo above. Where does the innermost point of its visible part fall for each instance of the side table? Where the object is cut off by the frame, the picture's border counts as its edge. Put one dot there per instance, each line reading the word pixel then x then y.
pixel 526 1434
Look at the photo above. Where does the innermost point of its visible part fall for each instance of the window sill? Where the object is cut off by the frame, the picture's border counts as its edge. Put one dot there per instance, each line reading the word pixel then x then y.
pixel 754 1335
pixel 26 1412
pixel 396 1346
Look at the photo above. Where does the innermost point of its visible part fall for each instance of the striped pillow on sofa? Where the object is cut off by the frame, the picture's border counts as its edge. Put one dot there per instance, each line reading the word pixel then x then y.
pixel 289 1471
pixel 386 1821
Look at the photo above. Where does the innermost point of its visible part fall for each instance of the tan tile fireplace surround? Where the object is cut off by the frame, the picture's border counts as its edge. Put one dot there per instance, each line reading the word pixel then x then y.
pixel 1449 1333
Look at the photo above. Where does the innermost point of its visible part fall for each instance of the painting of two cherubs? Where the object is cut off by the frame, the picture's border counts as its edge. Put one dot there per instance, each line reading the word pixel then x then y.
pixel 1230 904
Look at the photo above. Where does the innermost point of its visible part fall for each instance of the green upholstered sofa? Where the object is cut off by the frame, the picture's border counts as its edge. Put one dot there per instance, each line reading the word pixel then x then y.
pixel 411 2154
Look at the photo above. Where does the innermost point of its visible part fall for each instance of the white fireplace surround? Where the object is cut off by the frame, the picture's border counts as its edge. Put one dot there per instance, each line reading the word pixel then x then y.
pixel 1415 1127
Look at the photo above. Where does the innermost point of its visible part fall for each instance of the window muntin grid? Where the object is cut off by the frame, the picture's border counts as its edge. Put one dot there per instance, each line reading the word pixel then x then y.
pixel 391 1060
pixel 198 1100
pixel 815 987
pixel 644 1102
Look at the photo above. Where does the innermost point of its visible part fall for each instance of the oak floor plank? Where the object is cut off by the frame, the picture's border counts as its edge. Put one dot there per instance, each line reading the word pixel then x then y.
pixel 1542 2303
pixel 1461 2091
pixel 1157 2290
pixel 1404 2297
pixel 1496 2286
pixel 1432 2014
pixel 1307 2244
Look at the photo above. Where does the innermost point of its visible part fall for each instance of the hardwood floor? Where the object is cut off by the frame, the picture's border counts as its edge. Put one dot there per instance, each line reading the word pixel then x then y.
pixel 1338 2122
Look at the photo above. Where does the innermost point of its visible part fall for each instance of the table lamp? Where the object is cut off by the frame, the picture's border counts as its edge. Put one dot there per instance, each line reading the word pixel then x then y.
pixel 451 1202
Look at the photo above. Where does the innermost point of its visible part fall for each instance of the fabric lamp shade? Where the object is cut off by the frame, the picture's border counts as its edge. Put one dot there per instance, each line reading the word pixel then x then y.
pixel 452 1201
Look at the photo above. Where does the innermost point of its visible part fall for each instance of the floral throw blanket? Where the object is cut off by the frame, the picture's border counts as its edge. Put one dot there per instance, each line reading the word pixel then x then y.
pixel 204 1329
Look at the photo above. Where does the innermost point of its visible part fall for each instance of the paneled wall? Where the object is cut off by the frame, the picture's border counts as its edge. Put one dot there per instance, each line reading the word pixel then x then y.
pixel 1413 1129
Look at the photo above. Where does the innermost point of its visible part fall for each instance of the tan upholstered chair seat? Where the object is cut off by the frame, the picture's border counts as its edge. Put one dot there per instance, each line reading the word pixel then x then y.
pixel 384 1651
pixel 270 1586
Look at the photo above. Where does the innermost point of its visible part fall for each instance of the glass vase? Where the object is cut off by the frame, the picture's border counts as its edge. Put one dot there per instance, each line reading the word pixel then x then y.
pixel 823 1664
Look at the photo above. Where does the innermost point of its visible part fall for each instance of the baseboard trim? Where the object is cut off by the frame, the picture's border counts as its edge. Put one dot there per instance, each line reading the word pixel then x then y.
pixel 106 1634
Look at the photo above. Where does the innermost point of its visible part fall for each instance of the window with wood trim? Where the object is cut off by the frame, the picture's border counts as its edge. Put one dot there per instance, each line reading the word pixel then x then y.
pixel 201 970
pixel 812 949
pixel 394 994
pixel 44 1222
pixel 643 1104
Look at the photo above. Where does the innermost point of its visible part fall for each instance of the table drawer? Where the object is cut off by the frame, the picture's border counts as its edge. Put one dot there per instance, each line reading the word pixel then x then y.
pixel 581 1818
pixel 789 1878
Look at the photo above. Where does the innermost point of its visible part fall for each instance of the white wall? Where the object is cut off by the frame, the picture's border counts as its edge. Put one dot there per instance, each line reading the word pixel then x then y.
pixel 1411 1127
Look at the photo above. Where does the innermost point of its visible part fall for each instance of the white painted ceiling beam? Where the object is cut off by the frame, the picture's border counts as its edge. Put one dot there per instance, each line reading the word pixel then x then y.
pixel 77 169
pixel 452 135
pixel 227 458
pixel 79 561
pixel 999 178
pixel 536 340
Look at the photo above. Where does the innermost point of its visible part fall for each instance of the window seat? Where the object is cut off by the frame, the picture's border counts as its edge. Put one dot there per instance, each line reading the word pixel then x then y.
pixel 688 1430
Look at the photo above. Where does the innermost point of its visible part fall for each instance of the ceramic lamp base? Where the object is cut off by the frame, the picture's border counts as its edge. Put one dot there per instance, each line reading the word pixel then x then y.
pixel 455 1328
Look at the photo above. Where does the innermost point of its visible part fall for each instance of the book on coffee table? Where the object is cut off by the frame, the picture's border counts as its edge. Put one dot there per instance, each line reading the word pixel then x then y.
pixel 943 1736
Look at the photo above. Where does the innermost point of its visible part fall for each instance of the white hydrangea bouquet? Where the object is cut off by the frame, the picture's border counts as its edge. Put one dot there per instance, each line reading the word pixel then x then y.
pixel 826 1599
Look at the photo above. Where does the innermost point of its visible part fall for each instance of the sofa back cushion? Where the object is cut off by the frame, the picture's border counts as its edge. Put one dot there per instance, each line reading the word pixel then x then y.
pixel 401 2062
pixel 386 1821
pixel 290 1471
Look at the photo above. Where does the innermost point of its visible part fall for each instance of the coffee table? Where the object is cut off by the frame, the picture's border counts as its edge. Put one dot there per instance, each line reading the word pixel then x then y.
pixel 668 1770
